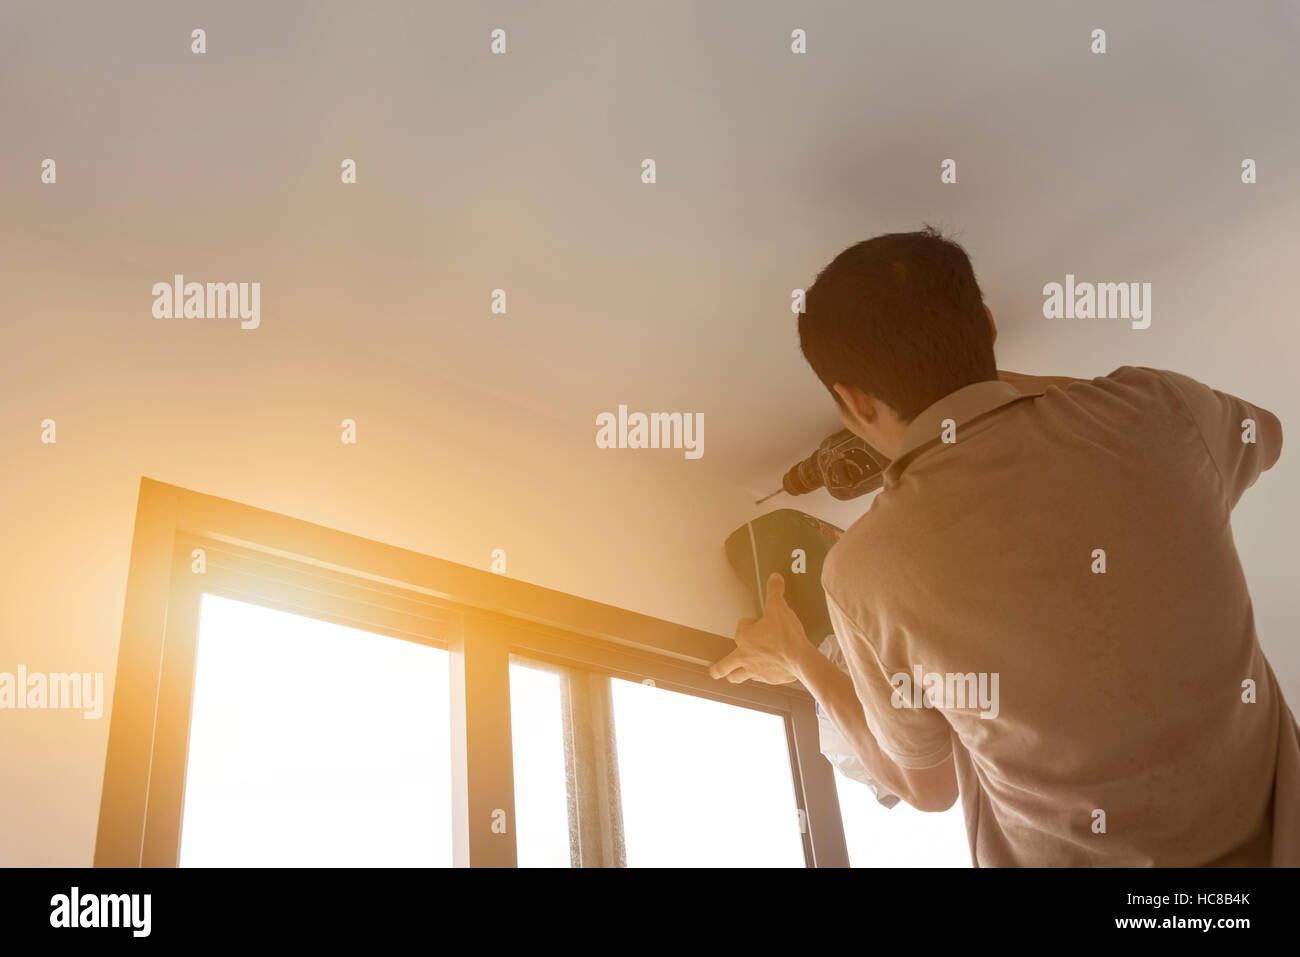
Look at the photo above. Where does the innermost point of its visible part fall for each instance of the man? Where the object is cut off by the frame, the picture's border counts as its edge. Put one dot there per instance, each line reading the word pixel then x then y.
pixel 1062 543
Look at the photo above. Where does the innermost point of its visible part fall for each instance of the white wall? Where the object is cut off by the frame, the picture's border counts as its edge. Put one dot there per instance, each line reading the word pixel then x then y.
pixel 436 469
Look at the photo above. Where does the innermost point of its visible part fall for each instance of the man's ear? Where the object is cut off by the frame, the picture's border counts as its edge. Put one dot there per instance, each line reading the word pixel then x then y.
pixel 856 401
pixel 992 325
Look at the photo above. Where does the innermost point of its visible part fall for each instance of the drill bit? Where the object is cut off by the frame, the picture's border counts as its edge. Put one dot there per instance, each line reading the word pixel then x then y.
pixel 760 501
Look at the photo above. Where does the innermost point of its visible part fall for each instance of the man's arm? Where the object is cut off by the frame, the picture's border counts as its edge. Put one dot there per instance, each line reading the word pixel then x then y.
pixel 775 650
pixel 928 789
pixel 1242 439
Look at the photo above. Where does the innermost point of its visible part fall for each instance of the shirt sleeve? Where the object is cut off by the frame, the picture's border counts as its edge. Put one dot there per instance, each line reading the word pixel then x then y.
pixel 914 738
pixel 1243 440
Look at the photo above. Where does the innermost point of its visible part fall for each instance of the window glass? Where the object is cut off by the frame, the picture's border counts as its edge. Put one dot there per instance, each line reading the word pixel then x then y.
pixel 541 796
pixel 313 744
pixel 703 783
pixel 900 836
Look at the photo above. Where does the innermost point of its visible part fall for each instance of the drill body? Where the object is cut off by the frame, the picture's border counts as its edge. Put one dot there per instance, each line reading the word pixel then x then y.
pixel 845 464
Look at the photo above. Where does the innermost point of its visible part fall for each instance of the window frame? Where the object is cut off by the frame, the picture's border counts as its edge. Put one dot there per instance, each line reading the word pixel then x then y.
pixel 481 618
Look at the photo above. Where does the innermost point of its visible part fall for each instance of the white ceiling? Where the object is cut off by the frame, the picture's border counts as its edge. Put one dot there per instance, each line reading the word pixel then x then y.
pixel 522 172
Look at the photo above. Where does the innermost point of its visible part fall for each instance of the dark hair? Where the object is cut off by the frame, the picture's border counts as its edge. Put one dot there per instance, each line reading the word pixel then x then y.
pixel 901 317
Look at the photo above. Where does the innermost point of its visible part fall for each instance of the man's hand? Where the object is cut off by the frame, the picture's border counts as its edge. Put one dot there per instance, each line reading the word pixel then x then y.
pixel 768 649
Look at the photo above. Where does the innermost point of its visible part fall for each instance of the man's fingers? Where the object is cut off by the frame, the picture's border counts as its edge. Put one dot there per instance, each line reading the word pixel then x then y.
pixel 725 666
pixel 739 675
pixel 775 588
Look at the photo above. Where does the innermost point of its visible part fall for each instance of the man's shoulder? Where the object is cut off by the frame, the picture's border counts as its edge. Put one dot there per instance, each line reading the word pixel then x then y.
pixel 864 546
pixel 1135 394
pixel 1141 382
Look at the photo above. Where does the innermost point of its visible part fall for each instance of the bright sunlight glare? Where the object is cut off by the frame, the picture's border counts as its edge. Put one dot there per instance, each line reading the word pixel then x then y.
pixel 312 744
pixel 704 783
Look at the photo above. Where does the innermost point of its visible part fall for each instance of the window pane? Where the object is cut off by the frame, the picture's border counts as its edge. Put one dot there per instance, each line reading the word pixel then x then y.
pixel 312 744
pixel 704 784
pixel 541 798
pixel 900 836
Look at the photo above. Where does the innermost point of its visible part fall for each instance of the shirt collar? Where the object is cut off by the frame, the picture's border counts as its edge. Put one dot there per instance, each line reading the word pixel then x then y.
pixel 965 405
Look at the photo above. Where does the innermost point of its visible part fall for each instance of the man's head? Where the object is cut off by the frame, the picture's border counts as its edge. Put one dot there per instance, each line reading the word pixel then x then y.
pixel 894 324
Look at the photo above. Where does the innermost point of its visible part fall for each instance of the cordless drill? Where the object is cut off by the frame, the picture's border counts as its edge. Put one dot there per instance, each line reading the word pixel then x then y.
pixel 844 464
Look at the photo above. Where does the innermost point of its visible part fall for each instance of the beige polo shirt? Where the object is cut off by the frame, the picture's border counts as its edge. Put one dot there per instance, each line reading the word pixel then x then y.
pixel 1065 566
